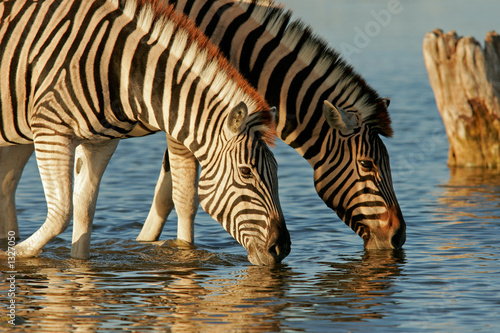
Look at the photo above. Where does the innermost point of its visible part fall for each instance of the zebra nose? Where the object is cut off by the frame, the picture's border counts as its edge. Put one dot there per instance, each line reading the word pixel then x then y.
pixel 399 237
pixel 278 244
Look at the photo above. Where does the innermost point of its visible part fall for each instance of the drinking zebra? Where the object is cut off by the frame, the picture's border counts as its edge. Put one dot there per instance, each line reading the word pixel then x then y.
pixel 327 113
pixel 86 73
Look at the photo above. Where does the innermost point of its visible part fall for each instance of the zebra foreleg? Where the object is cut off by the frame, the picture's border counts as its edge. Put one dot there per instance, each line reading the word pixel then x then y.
pixel 184 167
pixel 12 162
pixel 55 159
pixel 177 185
pixel 91 160
pixel 161 207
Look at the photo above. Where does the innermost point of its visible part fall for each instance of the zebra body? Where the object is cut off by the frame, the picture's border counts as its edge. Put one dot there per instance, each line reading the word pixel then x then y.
pixel 327 113
pixel 85 74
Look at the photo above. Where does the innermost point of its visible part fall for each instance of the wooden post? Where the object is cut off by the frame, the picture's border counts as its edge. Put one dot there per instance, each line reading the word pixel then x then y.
pixel 466 83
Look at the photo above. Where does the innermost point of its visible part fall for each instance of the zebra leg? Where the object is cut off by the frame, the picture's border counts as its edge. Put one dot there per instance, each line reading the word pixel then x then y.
pixel 12 162
pixel 91 160
pixel 161 207
pixel 184 168
pixel 55 159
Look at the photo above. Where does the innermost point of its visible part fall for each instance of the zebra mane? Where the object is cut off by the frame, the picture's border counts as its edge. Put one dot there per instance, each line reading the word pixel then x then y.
pixel 165 25
pixel 276 20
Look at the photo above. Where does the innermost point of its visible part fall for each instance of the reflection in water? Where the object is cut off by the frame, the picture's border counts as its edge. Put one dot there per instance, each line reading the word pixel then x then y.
pixel 455 260
pixel 362 284
pixel 59 300
pixel 472 192
pixel 469 208
pixel 184 289
pixel 367 276
pixel 249 299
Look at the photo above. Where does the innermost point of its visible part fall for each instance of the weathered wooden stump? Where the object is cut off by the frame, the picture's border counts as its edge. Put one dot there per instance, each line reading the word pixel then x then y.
pixel 466 83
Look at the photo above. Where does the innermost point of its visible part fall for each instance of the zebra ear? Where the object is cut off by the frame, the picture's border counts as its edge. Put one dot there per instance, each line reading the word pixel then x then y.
pixel 338 118
pixel 387 101
pixel 237 118
pixel 274 113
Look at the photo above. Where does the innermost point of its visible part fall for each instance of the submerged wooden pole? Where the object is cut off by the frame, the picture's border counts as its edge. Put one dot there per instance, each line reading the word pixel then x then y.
pixel 466 83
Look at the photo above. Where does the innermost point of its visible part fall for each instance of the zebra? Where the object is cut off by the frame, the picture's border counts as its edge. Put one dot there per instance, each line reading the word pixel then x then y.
pixel 327 113
pixel 87 73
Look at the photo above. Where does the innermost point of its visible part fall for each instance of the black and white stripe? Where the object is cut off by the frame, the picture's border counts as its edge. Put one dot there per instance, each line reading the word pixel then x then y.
pixel 85 73
pixel 297 71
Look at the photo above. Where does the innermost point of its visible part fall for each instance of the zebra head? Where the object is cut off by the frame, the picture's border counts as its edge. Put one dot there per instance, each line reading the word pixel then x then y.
pixel 355 180
pixel 239 187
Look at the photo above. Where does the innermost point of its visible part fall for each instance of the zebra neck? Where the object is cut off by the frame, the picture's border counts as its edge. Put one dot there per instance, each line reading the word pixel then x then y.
pixel 291 67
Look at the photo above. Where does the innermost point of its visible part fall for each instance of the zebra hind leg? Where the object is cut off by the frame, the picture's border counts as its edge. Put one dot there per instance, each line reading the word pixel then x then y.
pixel 91 159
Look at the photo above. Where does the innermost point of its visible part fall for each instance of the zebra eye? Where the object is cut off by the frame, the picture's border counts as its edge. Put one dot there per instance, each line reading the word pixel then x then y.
pixel 366 164
pixel 246 172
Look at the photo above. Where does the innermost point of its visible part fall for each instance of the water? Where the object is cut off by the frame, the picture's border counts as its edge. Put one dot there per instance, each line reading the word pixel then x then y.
pixel 445 279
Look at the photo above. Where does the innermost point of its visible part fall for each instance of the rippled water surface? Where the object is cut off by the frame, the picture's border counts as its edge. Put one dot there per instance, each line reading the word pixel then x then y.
pixel 445 279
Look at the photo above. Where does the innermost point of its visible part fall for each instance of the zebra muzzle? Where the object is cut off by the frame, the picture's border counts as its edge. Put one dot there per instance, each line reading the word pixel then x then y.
pixel 387 232
pixel 276 248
